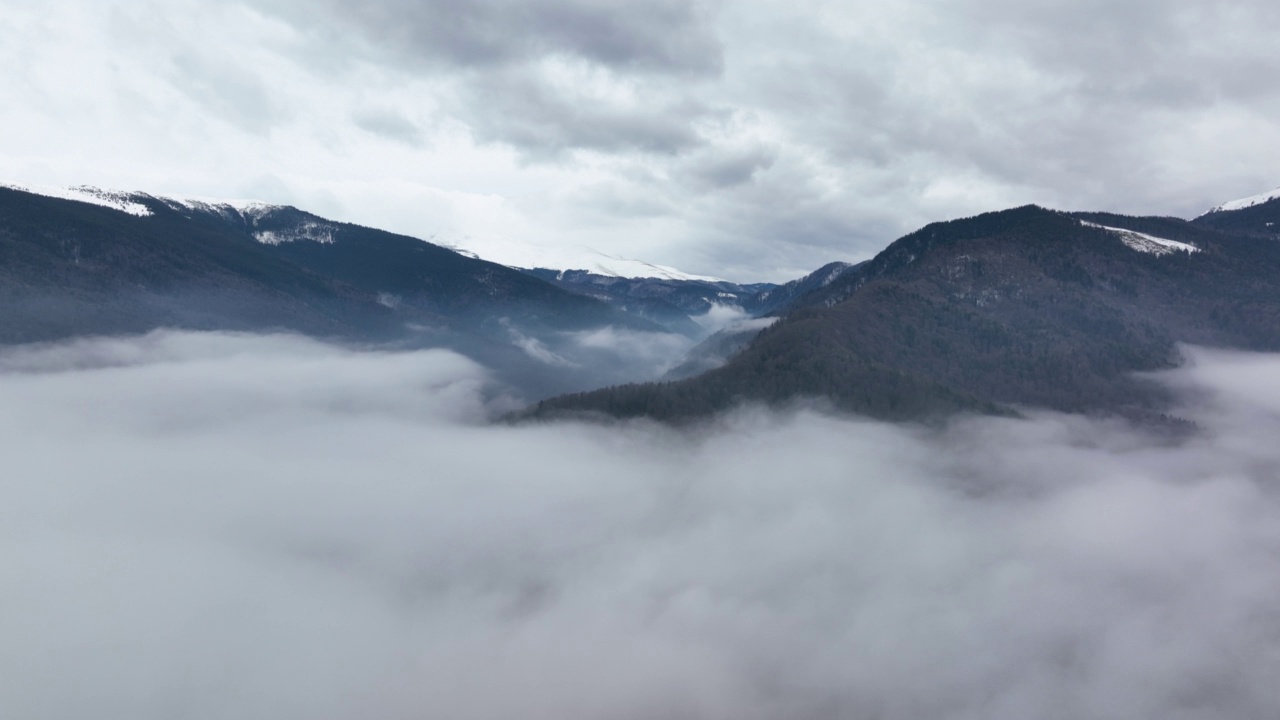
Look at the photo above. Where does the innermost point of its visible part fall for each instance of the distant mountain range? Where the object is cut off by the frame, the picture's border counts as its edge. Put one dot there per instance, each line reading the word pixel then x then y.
pixel 674 303
pixel 85 261
pixel 569 257
pixel 1027 307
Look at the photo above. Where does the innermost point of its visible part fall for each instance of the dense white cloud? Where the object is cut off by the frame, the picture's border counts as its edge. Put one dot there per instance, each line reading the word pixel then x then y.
pixel 754 140
pixel 213 526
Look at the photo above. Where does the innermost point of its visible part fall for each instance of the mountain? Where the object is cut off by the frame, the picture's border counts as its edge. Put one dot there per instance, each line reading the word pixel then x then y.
pixel 718 348
pixel 87 261
pixel 581 258
pixel 765 307
pixel 779 300
pixel 675 303
pixel 1245 203
pixel 679 304
pixel 1024 307
pixel 1258 215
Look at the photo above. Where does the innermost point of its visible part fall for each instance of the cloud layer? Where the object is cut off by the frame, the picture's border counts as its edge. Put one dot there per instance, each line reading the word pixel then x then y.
pixel 213 526
pixel 753 140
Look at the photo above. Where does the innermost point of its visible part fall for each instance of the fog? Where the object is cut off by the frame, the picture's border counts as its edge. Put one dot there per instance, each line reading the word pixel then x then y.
pixel 229 526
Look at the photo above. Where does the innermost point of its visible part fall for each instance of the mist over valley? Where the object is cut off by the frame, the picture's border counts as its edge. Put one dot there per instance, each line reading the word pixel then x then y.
pixel 662 360
pixel 259 526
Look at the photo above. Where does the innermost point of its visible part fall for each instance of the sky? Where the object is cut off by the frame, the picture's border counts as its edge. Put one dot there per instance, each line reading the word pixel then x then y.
pixel 214 526
pixel 751 140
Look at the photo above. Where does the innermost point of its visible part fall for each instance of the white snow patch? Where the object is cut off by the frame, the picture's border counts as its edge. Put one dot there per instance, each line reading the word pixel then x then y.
pixel 321 232
pixel 1248 202
pixel 127 202
pixel 1143 242
pixel 835 273
pixel 123 201
pixel 567 257
pixel 253 210
pixel 247 208
pixel 312 231
pixel 594 261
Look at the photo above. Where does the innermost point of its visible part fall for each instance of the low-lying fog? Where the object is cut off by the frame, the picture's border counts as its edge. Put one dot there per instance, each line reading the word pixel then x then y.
pixel 220 526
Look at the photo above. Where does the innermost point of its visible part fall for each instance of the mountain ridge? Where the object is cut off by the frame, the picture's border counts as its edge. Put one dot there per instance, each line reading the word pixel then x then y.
pixel 1022 307
pixel 70 268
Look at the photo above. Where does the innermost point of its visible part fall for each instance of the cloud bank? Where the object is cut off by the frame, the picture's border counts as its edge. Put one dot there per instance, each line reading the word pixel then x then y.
pixel 215 526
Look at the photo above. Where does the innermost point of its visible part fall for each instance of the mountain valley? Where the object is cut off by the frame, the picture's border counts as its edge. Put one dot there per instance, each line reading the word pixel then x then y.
pixel 1021 308
pixel 1014 309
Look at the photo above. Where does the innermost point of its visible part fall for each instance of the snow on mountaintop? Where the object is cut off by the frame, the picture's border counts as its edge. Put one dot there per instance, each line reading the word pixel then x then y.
pixel 113 199
pixel 244 207
pixel 1146 243
pixel 1248 202
pixel 253 210
pixel 313 231
pixel 601 264
pixel 127 202
pixel 576 257
pixel 511 254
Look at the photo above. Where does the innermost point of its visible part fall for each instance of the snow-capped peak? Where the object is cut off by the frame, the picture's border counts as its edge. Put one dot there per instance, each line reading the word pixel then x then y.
pixel 1145 243
pixel 566 257
pixel 602 264
pixel 129 202
pixel 244 207
pixel 315 230
pixel 123 201
pixel 1248 202
pixel 250 210
pixel 511 254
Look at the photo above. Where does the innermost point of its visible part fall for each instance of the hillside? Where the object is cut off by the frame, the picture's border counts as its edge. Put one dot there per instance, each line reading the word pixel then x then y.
pixel 1025 307
pixel 103 263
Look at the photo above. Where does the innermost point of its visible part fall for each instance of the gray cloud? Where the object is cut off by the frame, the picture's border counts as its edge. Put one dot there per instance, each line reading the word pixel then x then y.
pixel 228 92
pixel 388 124
pixel 606 355
pixel 1057 97
pixel 546 119
pixel 940 110
pixel 665 36
pixel 215 526
pixel 755 138
pixel 718 168
pixel 544 77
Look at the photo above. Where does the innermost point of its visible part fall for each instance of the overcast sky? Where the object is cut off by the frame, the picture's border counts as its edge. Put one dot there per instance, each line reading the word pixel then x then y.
pixel 749 140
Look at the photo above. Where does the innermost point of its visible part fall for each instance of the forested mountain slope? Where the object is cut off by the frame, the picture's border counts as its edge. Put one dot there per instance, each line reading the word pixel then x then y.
pixel 1025 307
pixel 131 262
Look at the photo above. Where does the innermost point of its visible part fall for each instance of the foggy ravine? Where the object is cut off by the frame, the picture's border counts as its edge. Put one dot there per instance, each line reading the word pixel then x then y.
pixel 228 526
